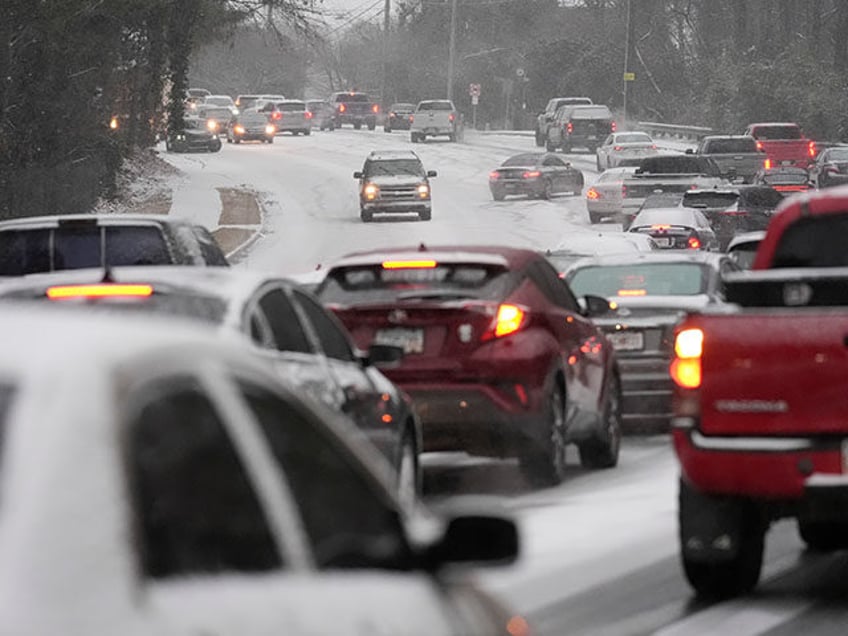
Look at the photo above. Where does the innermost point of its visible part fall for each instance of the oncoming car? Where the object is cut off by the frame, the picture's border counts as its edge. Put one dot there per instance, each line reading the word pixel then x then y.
pixel 394 182
pixel 170 460
pixel 196 135
pixel 535 174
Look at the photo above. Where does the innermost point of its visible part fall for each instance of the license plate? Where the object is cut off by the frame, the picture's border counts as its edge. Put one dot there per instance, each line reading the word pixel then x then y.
pixel 787 162
pixel 410 340
pixel 662 242
pixel 592 137
pixel 627 340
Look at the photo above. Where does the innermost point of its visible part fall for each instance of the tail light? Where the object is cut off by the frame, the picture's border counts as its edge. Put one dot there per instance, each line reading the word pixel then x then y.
pixel 593 194
pixel 308 114
pixel 494 175
pixel 531 174
pixel 613 126
pixel 342 108
pixel 569 128
pixel 688 351
pixel 239 130
pixel 760 146
pixel 767 164
pixel 276 115
pixel 508 320
pixel 375 108
pixel 653 146
pixel 100 290
pixel 451 117
pixel 694 243
pixel 411 118
pixel 811 148
pixel 623 191
pixel 617 148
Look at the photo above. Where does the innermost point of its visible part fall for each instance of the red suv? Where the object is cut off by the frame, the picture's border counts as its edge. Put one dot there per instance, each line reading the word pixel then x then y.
pixel 500 358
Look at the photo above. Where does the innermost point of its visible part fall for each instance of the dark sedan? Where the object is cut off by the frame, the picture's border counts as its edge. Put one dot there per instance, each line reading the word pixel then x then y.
pixel 649 294
pixel 397 118
pixel 535 174
pixel 501 360
pixel 303 342
pixel 830 167
pixel 195 136
pixel 676 228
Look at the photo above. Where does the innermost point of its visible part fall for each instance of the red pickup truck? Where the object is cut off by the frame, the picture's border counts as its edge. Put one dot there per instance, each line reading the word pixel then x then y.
pixel 784 144
pixel 760 407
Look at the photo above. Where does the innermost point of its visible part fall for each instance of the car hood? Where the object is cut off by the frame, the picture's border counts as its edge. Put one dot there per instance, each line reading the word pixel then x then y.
pixel 396 180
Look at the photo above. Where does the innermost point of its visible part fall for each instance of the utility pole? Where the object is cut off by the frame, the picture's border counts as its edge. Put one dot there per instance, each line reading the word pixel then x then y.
pixel 451 49
pixel 385 68
pixel 625 75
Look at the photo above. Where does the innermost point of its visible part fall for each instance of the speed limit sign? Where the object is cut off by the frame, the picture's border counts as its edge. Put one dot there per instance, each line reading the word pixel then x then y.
pixel 474 90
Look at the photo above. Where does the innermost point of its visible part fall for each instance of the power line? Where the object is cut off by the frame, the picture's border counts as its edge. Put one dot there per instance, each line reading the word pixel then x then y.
pixel 355 18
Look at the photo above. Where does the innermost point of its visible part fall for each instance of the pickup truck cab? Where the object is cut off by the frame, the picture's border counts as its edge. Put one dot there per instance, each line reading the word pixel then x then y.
pixel 355 108
pixel 783 143
pixel 580 126
pixel 737 156
pixel 760 422
pixel 546 117
pixel 434 117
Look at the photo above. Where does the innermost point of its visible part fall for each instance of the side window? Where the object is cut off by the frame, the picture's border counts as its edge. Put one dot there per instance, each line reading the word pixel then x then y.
pixel 348 521
pixel 284 322
pixel 554 288
pixel 196 510
pixel 334 339
pixel 608 141
pixel 209 248
pixel 552 161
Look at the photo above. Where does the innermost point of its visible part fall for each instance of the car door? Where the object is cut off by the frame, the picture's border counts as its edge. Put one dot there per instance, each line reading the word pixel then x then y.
pixel 554 168
pixel 603 150
pixel 275 326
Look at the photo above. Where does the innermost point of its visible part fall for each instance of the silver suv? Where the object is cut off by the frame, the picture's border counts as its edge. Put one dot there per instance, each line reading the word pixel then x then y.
pixel 394 182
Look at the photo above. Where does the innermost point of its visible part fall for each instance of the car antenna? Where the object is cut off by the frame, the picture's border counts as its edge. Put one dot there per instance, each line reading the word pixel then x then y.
pixel 422 247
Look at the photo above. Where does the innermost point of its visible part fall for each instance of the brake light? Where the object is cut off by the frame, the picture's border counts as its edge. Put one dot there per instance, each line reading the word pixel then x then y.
pixel 531 174
pixel 276 115
pixel 617 148
pixel 270 130
pixel 451 117
pixel 593 194
pixel 375 108
pixel 494 175
pixel 661 227
pixel 653 146
pixel 569 128
pixel 421 264
pixel 239 130
pixel 509 319
pixel 693 243
pixel 759 145
pixel 623 191
pixel 342 108
pixel 686 366
pixel 411 118
pixel 100 290
pixel 308 114
pixel 767 164
pixel 613 126
pixel 631 292
pixel 811 148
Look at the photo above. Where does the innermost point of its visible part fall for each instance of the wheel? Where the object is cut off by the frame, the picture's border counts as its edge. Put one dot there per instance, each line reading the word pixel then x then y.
pixel 540 140
pixel 357 125
pixel 545 465
pixel 270 140
pixel 413 137
pixel 229 140
pixel 547 190
pixel 387 129
pixel 408 472
pixel 372 126
pixel 452 137
pixel 307 132
pixel 215 146
pixel 823 537
pixel 366 216
pixel 722 519
pixel 424 215
pixel 595 217
pixel 566 149
pixel 237 140
pixel 332 127
pixel 550 146
pixel 497 195
pixel 602 451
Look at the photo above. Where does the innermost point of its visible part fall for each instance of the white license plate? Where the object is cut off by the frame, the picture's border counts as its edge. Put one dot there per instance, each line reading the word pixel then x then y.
pixel 410 340
pixel 787 162
pixel 662 242
pixel 592 137
pixel 627 340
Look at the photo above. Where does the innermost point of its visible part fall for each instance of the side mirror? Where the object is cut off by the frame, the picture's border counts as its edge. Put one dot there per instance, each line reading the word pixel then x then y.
pixel 595 305
pixel 432 173
pixel 357 174
pixel 475 538
pixel 383 355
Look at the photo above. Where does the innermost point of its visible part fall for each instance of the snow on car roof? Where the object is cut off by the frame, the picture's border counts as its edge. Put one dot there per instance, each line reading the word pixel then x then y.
pixel 111 219
pixel 463 254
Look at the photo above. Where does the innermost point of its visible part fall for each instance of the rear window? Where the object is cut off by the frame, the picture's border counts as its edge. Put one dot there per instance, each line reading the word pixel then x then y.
pixel 633 138
pixel 435 106
pixel 726 146
pixel 815 241
pixel 786 178
pixel 591 112
pixel 355 97
pixel 291 107
pixel 376 284
pixel 708 199
pixel 659 216
pixel 777 132
pixel 521 160
pixel 760 197
pixel 80 246
pixel 639 279
pixel 678 164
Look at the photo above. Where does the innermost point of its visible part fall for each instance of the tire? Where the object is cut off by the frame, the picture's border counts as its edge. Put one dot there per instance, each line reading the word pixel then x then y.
pixel 452 137
pixel 413 137
pixel 307 132
pixel 408 472
pixel 366 216
pixel 725 578
pixel 550 146
pixel 823 537
pixel 372 126
pixel 387 129
pixel 566 149
pixel 332 127
pixel 216 147
pixel 603 450
pixel 547 190
pixel 357 125
pixel 236 140
pixel 595 217
pixel 229 141
pixel 498 196
pixel 425 215
pixel 270 140
pixel 545 466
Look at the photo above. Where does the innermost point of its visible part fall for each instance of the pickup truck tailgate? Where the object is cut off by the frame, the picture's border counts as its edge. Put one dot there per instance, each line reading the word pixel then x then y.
pixel 778 371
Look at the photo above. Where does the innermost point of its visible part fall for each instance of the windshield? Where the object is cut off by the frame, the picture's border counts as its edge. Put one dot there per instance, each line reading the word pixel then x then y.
pixel 777 132
pixel 728 146
pixel 393 167
pixel 639 279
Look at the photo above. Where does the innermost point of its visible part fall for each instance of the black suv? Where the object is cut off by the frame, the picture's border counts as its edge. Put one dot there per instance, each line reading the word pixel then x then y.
pixel 354 108
pixel 50 243
pixel 580 126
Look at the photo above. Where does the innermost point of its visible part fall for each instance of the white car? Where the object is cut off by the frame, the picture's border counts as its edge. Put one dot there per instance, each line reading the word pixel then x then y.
pixel 157 479
pixel 624 147
pixel 605 196
pixel 577 245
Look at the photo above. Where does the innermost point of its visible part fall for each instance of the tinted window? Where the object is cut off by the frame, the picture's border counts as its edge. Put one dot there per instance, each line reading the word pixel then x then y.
pixel 142 245
pixel 777 132
pixel 196 510
pixel 549 282
pixel 745 144
pixel 284 322
pixel 393 167
pixel 785 177
pixel 591 112
pixel 527 159
pixel 639 279
pixel 373 283
pixel 435 106
pixel 760 197
pixel 356 97
pixel 816 241
pixel 24 252
pixel 633 138
pixel 347 520
pixel 334 339
pixel 291 107
pixel 709 199
pixel 77 247
pixel 679 164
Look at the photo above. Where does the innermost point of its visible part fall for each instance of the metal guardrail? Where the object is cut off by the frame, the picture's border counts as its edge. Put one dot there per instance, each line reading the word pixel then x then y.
pixel 673 130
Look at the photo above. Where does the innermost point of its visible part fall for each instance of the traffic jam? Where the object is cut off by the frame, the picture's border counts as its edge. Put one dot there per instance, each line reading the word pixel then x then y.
pixel 581 376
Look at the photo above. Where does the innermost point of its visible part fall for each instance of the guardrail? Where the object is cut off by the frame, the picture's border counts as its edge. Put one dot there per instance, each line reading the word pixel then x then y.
pixel 673 130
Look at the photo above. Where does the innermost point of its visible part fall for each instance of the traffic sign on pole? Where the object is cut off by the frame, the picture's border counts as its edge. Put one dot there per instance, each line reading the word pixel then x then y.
pixel 474 90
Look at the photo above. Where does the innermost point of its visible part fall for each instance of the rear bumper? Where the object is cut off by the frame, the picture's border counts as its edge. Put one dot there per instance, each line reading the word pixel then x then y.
pixel 646 389
pixel 528 188
pixel 798 470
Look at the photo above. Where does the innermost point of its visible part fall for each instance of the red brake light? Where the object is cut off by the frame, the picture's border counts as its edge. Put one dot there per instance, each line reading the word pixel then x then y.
pixel 593 194
pixel 531 174
pixel 694 243
pixel 422 264
pixel 613 126
pixel 759 145
pixel 812 149
pixel 451 117
pixel 509 319
pixel 276 115
pixel 308 114
pixel 569 128
pixel 342 108
pixel 686 366
pixel 375 108
pixel 616 148
pixel 494 175
pixel 99 290
pixel 767 164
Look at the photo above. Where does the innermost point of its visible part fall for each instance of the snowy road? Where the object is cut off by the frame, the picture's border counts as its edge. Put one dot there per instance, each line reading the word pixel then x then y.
pixel 600 551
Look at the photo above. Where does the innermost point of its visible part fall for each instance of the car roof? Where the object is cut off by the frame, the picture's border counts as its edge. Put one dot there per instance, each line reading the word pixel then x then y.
pixel 590 241
pixel 663 256
pixel 100 219
pixel 388 155
pixel 745 238
pixel 509 257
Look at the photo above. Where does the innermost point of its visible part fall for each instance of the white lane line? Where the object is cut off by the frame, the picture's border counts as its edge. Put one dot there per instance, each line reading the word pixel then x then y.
pixel 743 617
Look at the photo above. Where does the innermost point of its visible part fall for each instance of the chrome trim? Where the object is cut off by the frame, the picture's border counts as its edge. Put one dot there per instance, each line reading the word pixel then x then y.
pixel 756 444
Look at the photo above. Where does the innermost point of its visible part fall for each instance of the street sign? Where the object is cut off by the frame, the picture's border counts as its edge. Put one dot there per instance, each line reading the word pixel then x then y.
pixel 474 90
pixel 475 99
pixel 519 72
pixel 629 77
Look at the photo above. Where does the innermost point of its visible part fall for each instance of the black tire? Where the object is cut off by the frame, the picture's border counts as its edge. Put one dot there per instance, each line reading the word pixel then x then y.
pixel 425 215
pixel 366 216
pixel 413 137
pixel 236 140
pixel 216 147
pixel 229 140
pixel 372 126
pixel 497 195
pixel 550 146
pixel 270 140
pixel 545 465
pixel 722 579
pixel 387 129
pixel 547 190
pixel 408 471
pixel 595 217
pixel 332 127
pixel 823 537
pixel 357 125
pixel 307 132
pixel 603 450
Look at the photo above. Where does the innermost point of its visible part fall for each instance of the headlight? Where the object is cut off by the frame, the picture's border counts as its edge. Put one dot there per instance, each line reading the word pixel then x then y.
pixel 180 137
pixel 212 125
pixel 239 130
pixel 270 130
pixel 370 191
pixel 423 191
